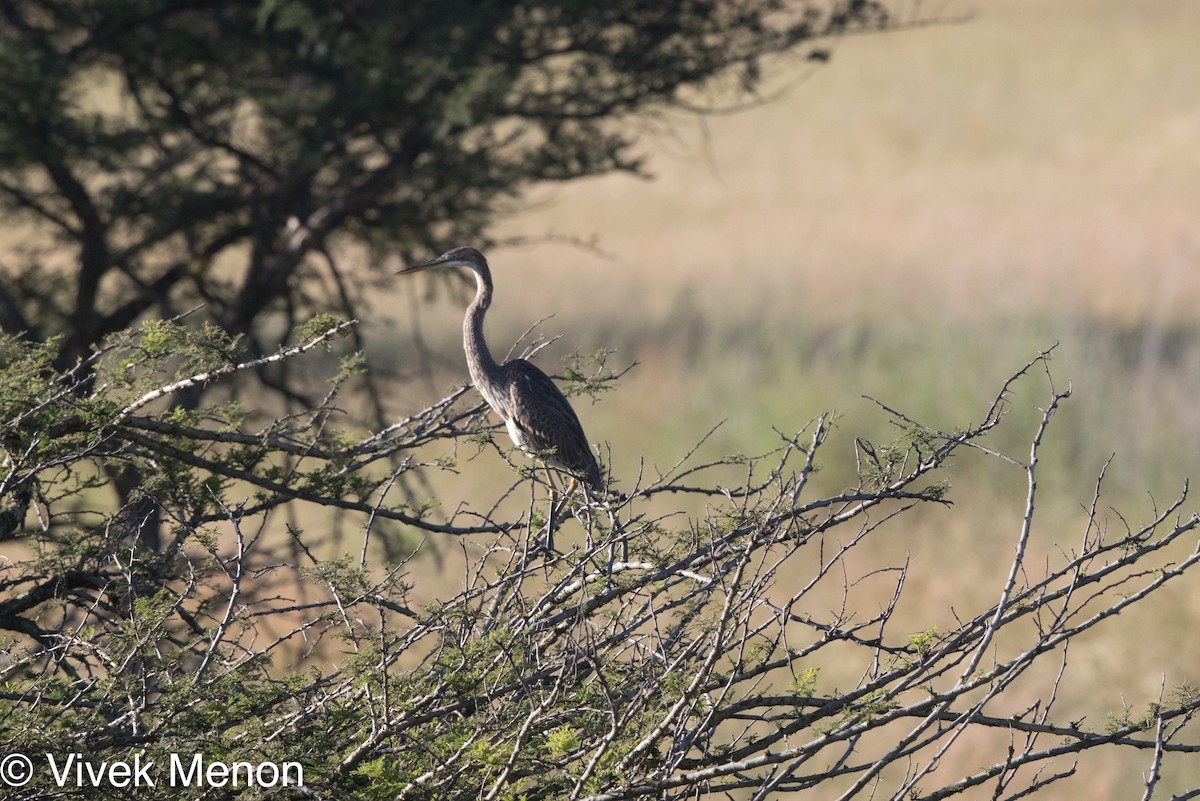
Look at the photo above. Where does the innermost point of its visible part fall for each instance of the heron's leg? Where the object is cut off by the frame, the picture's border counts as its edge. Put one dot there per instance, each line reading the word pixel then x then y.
pixel 555 510
pixel 573 486
pixel 559 500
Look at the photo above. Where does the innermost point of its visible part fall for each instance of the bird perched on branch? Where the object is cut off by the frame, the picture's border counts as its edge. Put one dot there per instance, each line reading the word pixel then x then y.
pixel 537 415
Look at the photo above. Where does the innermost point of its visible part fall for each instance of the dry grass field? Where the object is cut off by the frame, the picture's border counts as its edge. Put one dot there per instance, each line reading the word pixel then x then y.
pixel 912 222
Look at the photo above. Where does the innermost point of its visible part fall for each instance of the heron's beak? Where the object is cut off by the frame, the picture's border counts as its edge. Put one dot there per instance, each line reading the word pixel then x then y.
pixel 441 261
pixel 416 268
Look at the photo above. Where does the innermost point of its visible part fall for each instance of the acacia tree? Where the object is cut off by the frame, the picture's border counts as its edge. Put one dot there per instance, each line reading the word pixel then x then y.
pixel 656 657
pixel 160 155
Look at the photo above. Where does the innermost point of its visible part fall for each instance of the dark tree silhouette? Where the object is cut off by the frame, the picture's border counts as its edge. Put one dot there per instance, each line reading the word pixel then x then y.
pixel 157 157
pixel 160 155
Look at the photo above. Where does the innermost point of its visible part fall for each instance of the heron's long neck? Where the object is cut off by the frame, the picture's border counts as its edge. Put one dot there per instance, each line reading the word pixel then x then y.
pixel 484 370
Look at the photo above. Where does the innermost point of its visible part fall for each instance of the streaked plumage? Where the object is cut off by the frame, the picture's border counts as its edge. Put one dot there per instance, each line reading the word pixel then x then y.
pixel 537 415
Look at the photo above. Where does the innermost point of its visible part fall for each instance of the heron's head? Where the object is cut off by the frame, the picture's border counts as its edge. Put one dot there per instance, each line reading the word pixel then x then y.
pixel 459 257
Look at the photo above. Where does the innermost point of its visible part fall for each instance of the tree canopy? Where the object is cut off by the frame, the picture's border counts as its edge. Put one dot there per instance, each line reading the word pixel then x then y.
pixel 161 155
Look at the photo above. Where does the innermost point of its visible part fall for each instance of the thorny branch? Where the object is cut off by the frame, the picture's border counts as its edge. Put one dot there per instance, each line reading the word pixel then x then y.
pixel 660 655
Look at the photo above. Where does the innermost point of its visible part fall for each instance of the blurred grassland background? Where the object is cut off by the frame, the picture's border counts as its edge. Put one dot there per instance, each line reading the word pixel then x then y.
pixel 912 222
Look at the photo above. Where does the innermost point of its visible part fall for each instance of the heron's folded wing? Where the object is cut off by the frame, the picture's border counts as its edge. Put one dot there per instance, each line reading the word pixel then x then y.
pixel 549 423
